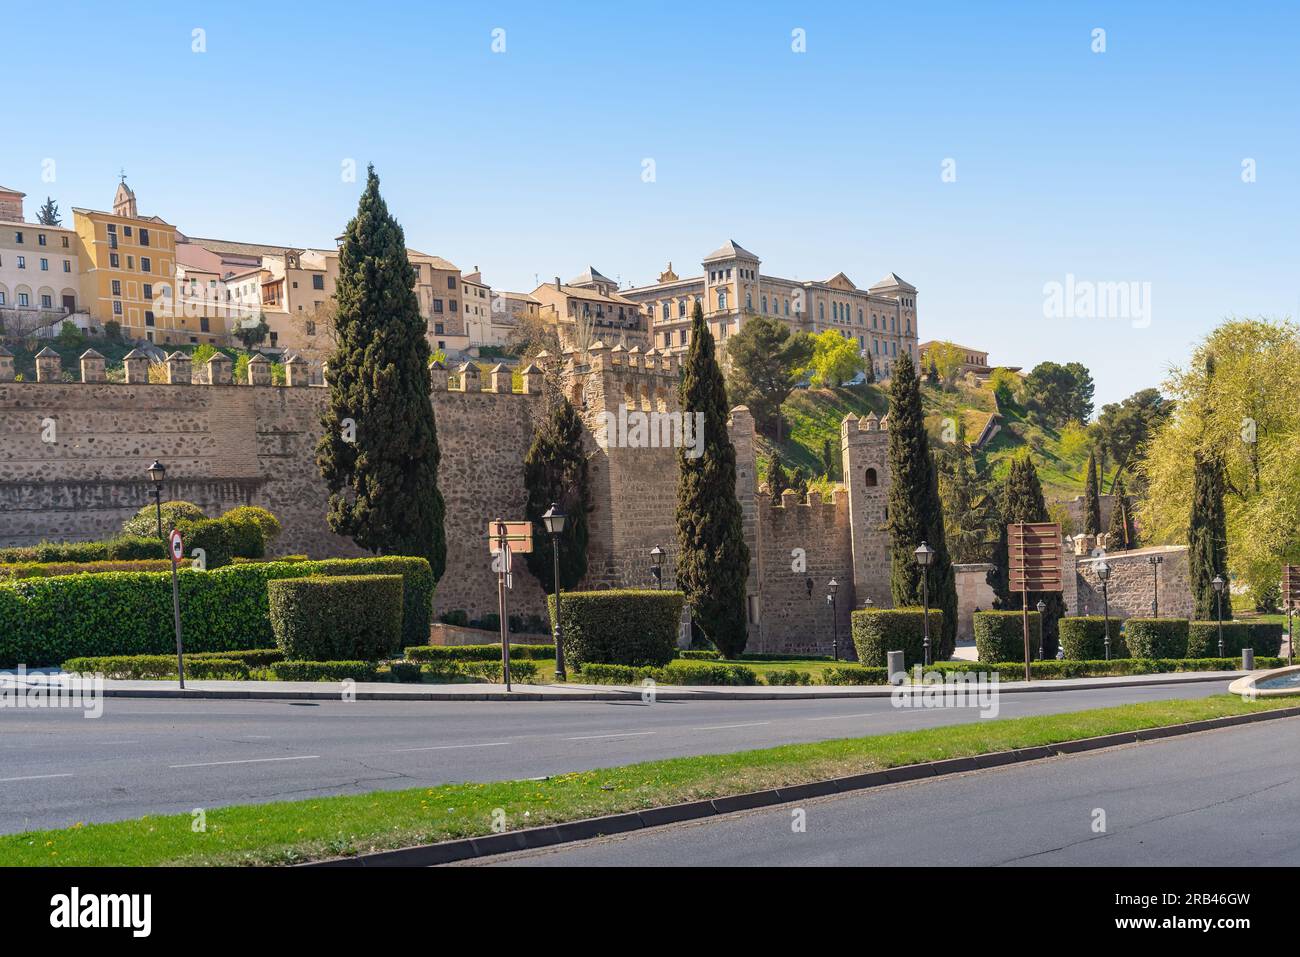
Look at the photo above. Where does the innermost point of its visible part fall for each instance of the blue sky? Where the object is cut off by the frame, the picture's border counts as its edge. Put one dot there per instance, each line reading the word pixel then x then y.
pixel 1121 166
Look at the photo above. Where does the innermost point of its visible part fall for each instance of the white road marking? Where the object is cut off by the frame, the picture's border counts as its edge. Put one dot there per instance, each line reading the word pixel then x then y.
pixel 620 734
pixel 724 727
pixel 213 764
pixel 35 777
pixel 450 747
pixel 841 717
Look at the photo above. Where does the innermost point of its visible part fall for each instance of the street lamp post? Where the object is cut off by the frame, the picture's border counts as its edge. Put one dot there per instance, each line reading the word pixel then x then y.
pixel 157 472
pixel 1155 561
pixel 554 520
pixel 832 587
pixel 1218 584
pixel 1103 574
pixel 924 557
pixel 657 567
pixel 1042 629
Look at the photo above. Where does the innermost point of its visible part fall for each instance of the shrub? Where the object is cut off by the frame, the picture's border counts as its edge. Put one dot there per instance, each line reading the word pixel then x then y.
pixel 417 586
pixel 478 652
pixel 53 569
pixel 254 658
pixel 878 631
pixel 1000 635
pixel 620 626
pixel 406 672
pixel 1156 637
pixel 1203 638
pixel 223 539
pixel 142 667
pixel 1084 638
pixel 490 671
pixel 145 522
pixel 856 675
pixel 1265 638
pixel 691 654
pixel 787 677
pixel 262 518
pixel 767 657
pixel 703 673
pixel 324 671
pixel 124 548
pixel 459 617
pixel 337 618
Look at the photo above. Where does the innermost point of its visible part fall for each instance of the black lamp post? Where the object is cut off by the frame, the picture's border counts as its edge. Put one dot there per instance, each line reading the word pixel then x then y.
pixel 1155 561
pixel 554 520
pixel 157 472
pixel 1042 608
pixel 1218 584
pixel 657 566
pixel 832 587
pixel 1103 575
pixel 924 557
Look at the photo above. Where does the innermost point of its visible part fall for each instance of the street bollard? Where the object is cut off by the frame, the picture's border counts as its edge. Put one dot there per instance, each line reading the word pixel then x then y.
pixel 897 670
pixel 1247 659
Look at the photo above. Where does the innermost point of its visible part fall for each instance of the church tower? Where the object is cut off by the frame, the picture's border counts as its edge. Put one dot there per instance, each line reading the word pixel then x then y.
pixel 124 201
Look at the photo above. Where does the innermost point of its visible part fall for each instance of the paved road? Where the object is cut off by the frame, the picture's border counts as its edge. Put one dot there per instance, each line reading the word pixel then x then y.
pixel 165 756
pixel 1217 798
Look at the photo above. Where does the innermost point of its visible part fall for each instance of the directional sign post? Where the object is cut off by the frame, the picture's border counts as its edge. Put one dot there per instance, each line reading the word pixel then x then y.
pixel 504 540
pixel 1291 599
pixel 1034 559
pixel 177 551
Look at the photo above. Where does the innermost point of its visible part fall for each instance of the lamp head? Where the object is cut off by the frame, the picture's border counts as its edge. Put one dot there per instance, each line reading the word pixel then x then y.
pixel 156 472
pixel 553 518
pixel 924 555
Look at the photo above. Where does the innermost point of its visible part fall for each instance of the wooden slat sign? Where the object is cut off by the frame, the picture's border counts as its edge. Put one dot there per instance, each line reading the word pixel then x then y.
pixel 1034 556
pixel 1291 586
pixel 518 535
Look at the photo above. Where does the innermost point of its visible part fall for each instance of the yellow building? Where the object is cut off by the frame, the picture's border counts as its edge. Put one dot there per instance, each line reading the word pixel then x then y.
pixel 126 261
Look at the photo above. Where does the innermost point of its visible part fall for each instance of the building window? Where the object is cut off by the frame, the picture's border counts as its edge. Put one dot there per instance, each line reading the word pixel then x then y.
pixel 144 237
pixel 146 265
pixel 318 281
pixel 45 265
pixel 117 287
pixel 148 317
pixel 451 282
pixel 22 299
pixel 126 230
pixel 2 298
pixel 65 242
pixel 722 299
pixel 681 308
pixel 437 306
pixel 871 479
pixel 67 265
pixel 438 329
pixel 18 238
pixel 40 239
pixel 453 305
pixel 117 307
pixel 203 324
pixel 821 311
pixel 148 292
pixel 22 262
pixel 763 300
pixel 45 302
pixel 114 261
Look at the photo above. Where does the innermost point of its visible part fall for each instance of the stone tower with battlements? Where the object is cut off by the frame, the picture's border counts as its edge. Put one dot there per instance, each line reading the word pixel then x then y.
pixel 864 444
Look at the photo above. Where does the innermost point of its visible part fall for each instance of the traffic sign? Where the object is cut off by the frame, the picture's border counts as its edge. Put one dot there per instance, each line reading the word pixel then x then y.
pixel 517 535
pixel 1034 556
pixel 1291 587
pixel 177 548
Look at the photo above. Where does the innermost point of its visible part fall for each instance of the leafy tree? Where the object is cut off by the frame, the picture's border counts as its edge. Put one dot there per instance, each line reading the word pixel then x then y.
pixel 555 472
pixel 964 507
pixel 49 213
pixel 1022 501
pixel 915 510
pixel 713 559
pixel 764 360
pixel 1005 385
pixel 253 336
pixel 384 484
pixel 1123 428
pixel 946 361
pixel 835 359
pixel 777 480
pixel 1060 393
pixel 1121 535
pixel 1091 499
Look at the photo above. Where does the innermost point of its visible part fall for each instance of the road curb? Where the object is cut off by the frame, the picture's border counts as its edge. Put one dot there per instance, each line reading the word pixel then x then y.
pixel 447 852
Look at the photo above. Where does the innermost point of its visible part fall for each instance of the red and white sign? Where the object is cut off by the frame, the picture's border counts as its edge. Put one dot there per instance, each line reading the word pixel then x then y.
pixel 177 548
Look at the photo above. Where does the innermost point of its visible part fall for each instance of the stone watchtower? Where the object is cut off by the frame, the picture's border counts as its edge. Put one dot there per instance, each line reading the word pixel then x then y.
pixel 864 446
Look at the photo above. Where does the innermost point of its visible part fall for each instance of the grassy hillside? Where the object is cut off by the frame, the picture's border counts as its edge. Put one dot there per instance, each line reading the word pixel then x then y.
pixel 814 415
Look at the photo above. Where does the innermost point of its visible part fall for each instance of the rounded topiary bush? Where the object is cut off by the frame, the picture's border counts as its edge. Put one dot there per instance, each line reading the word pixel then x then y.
pixel 264 519
pixel 1084 638
pixel 878 631
pixel 619 627
pixel 1000 635
pixel 145 521
pixel 338 617
pixel 1156 637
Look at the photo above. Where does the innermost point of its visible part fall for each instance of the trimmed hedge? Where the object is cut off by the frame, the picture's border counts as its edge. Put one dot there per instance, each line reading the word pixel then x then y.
pixel 52 569
pixel 856 675
pixel 337 618
pixel 46 620
pixel 1000 636
pixel 1009 671
pixel 878 631
pixel 479 653
pixel 122 548
pixel 139 667
pixel 699 654
pixel 1084 638
pixel 406 672
pixel 787 677
pixel 1156 637
pixel 636 627
pixel 1265 638
pixel 676 673
pixel 479 671
pixel 325 671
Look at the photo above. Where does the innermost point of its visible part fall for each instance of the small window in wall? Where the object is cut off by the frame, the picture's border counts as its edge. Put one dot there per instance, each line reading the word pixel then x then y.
pixel 872 481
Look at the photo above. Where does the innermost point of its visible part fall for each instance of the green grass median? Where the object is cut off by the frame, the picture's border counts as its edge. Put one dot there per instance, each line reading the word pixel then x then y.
pixel 289 832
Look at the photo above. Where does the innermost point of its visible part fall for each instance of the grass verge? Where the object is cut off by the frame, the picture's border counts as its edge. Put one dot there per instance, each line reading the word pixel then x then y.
pixel 293 831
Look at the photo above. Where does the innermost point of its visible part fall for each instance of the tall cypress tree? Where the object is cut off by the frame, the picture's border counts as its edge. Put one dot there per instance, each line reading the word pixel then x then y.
pixel 915 509
pixel 1207 536
pixel 1121 536
pixel 713 559
pixel 1092 499
pixel 777 480
pixel 555 472
pixel 1022 501
pixel 383 484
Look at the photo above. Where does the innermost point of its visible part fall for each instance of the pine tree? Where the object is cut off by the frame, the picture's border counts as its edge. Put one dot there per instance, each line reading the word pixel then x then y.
pixel 713 559
pixel 1120 536
pixel 384 483
pixel 915 509
pixel 1092 499
pixel 49 213
pixel 555 473
pixel 1207 537
pixel 777 480
pixel 1022 501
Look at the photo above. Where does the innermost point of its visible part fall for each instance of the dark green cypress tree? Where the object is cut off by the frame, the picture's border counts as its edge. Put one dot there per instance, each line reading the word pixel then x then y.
pixel 777 480
pixel 1120 536
pixel 1091 499
pixel 828 460
pixel 713 559
pixel 1022 501
pixel 384 485
pixel 555 472
pixel 799 481
pixel 915 509
pixel 1207 536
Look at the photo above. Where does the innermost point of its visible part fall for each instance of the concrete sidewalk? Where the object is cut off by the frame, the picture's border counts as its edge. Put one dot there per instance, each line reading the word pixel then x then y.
pixel 388 691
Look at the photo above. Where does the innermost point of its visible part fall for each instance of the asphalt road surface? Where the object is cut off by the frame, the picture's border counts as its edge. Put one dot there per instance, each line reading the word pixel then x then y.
pixel 1224 797
pixel 161 756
